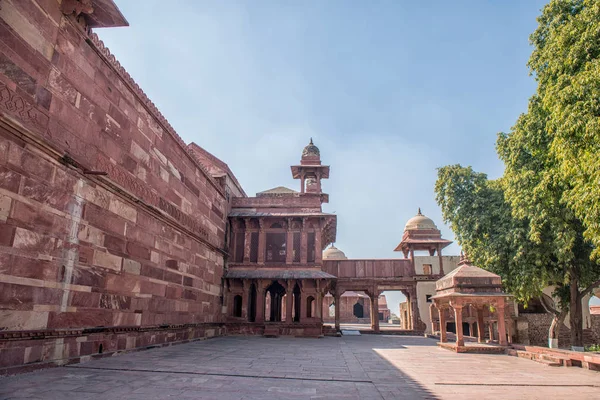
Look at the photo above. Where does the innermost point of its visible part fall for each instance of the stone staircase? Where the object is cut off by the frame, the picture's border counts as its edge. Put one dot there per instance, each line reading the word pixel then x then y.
pixel 551 360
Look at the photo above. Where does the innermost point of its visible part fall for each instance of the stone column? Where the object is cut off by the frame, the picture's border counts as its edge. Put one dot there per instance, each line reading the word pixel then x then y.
pixel 303 243
pixel 260 302
pixel 480 326
pixel 337 300
pixel 442 315
pixel 318 174
pixel 247 240
pixel 491 330
pixel 375 311
pixel 245 296
pixel 431 314
pixel 318 249
pixel 289 243
pixel 501 326
pixel 460 340
pixel 262 243
pixel 416 323
pixel 302 306
pixel 302 180
pixel 289 301
pixel 439 250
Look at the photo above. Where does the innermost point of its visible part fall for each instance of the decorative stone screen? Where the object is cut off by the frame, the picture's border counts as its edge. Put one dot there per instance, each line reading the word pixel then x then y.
pixel 254 247
pixel 275 248
pixel 311 247
pixel 239 247
pixel 297 244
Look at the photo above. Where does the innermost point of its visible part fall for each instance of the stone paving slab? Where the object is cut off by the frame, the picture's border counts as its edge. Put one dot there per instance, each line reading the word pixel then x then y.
pixel 356 367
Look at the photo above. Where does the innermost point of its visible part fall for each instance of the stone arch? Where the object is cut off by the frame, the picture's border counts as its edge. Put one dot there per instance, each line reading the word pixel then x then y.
pixel 276 292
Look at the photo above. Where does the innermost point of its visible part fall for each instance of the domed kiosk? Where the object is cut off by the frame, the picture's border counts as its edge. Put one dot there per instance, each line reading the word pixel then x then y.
pixel 421 233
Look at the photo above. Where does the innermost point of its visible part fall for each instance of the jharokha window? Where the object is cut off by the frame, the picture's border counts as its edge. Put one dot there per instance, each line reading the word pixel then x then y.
pixel 276 244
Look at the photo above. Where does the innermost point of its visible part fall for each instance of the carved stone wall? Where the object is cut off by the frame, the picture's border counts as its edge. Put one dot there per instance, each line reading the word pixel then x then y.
pixel 107 219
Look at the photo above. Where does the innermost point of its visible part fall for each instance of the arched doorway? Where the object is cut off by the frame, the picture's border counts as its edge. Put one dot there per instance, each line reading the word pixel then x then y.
pixel 237 306
pixel 276 292
pixel 358 310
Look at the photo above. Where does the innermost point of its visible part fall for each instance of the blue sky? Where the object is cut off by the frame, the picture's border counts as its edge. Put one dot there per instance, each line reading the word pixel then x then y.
pixel 389 91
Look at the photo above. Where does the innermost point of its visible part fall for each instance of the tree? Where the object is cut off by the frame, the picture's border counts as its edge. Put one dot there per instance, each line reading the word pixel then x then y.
pixel 552 176
pixel 483 224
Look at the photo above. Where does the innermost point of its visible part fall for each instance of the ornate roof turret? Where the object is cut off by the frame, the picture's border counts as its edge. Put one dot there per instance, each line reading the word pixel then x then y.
pixel 419 222
pixel 333 253
pixel 311 150
pixel 421 233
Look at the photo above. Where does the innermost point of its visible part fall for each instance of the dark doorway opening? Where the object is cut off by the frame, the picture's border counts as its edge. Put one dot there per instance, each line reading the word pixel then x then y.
pixel 252 303
pixel 359 310
pixel 237 306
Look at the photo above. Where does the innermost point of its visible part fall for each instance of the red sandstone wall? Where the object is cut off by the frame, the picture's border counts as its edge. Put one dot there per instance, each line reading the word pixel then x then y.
pixel 139 246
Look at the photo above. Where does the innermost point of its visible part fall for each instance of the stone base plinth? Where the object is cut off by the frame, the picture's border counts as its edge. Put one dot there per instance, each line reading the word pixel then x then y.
pixel 273 329
pixel 23 351
pixel 473 348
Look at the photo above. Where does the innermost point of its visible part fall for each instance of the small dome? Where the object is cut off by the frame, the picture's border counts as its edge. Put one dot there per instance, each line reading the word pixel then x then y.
pixel 333 253
pixel 419 222
pixel 311 150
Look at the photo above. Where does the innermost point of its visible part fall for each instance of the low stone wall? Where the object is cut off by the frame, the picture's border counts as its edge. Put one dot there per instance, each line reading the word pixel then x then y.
pixel 539 324
pixel 29 350
pixel 276 329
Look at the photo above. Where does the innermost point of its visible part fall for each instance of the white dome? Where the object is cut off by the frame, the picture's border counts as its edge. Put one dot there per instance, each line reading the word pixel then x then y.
pixel 419 222
pixel 333 253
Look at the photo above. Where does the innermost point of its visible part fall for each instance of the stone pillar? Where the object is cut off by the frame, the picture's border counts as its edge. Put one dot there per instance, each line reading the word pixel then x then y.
pixel 337 300
pixel 375 311
pixel 318 174
pixel 439 250
pixel 431 314
pixel 491 330
pixel 245 296
pixel 460 340
pixel 289 301
pixel 501 326
pixel 480 326
pixel 247 240
pixel 302 306
pixel 416 323
pixel 319 306
pixel 442 315
pixel 318 249
pixel 262 243
pixel 260 302
pixel 289 243
pixel 302 180
pixel 303 243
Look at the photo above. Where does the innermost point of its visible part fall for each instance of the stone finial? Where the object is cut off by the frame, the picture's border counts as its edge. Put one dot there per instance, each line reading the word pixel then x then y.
pixel 419 212
pixel 311 142
pixel 464 259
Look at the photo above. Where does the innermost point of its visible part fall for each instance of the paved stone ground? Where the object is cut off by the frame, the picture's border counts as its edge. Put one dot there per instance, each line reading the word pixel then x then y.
pixel 351 367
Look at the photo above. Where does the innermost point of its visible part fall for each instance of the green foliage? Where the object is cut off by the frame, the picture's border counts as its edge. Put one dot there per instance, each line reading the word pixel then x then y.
pixel 566 63
pixel 483 224
pixel 540 223
pixel 594 347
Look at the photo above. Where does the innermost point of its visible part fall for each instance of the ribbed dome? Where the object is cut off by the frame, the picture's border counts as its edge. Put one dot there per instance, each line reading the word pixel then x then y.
pixel 311 150
pixel 333 253
pixel 419 222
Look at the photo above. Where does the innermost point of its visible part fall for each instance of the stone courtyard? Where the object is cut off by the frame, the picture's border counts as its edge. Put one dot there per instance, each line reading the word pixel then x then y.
pixel 351 367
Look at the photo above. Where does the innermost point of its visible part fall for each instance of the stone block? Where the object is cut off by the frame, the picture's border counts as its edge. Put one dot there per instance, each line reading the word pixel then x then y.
pixel 123 210
pixel 27 240
pixel 107 260
pixel 131 266
pixel 17 320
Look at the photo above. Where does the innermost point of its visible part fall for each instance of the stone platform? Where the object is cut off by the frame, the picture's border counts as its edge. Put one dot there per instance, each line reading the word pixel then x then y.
pixel 473 347
pixel 353 367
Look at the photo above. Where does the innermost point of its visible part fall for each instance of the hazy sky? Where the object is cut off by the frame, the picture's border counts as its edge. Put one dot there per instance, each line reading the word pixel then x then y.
pixel 389 91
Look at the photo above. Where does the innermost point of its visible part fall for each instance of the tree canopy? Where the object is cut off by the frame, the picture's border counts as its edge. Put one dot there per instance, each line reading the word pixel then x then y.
pixel 540 223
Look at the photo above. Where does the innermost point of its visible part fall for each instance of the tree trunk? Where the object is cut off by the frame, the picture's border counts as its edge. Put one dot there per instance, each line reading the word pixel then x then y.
pixel 554 331
pixel 575 310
